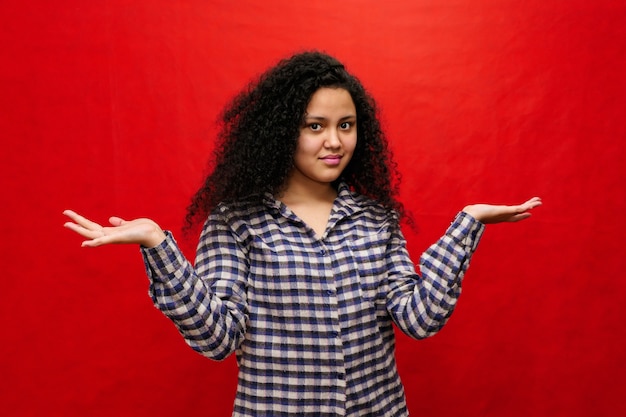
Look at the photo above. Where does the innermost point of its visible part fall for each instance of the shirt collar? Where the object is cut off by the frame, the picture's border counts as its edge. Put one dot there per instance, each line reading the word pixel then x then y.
pixel 347 202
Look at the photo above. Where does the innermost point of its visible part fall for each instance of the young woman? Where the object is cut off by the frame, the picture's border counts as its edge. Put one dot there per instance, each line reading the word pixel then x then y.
pixel 301 267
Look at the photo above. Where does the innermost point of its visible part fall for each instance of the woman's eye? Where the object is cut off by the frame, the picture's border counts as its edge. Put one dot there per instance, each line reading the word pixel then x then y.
pixel 315 126
pixel 345 125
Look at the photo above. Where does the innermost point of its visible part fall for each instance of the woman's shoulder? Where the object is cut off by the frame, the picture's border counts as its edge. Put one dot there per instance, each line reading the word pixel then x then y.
pixel 239 218
pixel 245 209
pixel 363 205
pixel 365 221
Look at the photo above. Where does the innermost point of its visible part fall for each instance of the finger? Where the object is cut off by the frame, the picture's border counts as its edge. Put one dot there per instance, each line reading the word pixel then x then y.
pixel 519 217
pixel 88 233
pixel 82 221
pixel 110 236
pixel 93 243
pixel 116 221
pixel 530 204
pixel 534 202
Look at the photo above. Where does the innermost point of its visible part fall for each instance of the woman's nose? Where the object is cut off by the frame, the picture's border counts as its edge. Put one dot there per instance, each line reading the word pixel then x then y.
pixel 333 140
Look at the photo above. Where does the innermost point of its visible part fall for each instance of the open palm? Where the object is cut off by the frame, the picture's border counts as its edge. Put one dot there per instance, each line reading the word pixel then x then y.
pixel 140 231
pixel 489 214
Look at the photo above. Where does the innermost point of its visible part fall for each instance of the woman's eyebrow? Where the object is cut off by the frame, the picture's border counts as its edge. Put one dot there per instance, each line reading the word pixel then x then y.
pixel 313 117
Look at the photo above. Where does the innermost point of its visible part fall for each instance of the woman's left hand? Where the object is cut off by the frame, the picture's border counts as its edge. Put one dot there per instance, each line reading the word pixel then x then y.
pixel 489 214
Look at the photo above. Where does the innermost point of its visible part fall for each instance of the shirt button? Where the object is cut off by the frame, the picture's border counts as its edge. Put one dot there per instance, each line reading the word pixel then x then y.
pixel 322 252
pixel 330 292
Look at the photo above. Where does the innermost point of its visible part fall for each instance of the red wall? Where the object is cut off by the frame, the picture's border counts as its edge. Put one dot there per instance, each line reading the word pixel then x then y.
pixel 108 107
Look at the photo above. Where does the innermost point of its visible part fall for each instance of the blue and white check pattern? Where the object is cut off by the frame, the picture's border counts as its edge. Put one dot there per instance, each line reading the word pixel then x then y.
pixel 309 317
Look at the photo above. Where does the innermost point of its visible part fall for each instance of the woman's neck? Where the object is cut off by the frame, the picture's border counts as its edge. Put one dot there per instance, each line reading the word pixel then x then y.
pixel 309 193
pixel 311 201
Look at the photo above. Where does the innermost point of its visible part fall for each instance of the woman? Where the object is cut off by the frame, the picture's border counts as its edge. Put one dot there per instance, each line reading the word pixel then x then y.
pixel 301 266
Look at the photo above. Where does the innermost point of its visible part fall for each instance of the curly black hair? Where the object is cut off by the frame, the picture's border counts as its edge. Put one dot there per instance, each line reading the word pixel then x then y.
pixel 259 131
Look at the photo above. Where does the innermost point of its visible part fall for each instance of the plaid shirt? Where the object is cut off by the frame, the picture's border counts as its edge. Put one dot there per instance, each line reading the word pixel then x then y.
pixel 310 318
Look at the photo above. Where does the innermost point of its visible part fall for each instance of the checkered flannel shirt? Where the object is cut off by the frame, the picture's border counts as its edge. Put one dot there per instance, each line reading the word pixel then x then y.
pixel 309 317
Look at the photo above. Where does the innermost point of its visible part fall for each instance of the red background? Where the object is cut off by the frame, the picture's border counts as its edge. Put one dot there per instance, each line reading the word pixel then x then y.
pixel 108 107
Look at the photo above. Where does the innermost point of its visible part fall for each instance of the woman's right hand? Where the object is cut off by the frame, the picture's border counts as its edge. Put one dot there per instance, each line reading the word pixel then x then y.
pixel 144 232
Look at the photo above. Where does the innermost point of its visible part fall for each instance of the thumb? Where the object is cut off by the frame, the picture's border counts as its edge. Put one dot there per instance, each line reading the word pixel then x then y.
pixel 116 221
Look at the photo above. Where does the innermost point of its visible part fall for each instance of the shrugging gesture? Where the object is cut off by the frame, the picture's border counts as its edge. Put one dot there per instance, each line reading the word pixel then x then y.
pixel 302 266
pixel 147 233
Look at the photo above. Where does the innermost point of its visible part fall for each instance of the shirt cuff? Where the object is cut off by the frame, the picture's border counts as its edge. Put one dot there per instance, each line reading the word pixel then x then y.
pixel 466 230
pixel 164 261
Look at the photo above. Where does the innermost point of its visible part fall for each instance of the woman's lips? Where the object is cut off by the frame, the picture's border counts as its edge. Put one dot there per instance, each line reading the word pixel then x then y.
pixel 332 159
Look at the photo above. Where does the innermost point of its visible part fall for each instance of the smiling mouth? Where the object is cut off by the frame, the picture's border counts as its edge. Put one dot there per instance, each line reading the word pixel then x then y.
pixel 332 159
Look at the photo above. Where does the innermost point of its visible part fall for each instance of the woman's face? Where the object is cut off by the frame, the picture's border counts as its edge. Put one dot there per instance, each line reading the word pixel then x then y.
pixel 327 138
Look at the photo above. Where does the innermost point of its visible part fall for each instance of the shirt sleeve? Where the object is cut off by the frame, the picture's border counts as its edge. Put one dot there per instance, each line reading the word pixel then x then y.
pixel 212 323
pixel 420 305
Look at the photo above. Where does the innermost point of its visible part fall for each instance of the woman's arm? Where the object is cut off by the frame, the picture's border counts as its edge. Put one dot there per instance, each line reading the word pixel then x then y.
pixel 212 324
pixel 421 305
